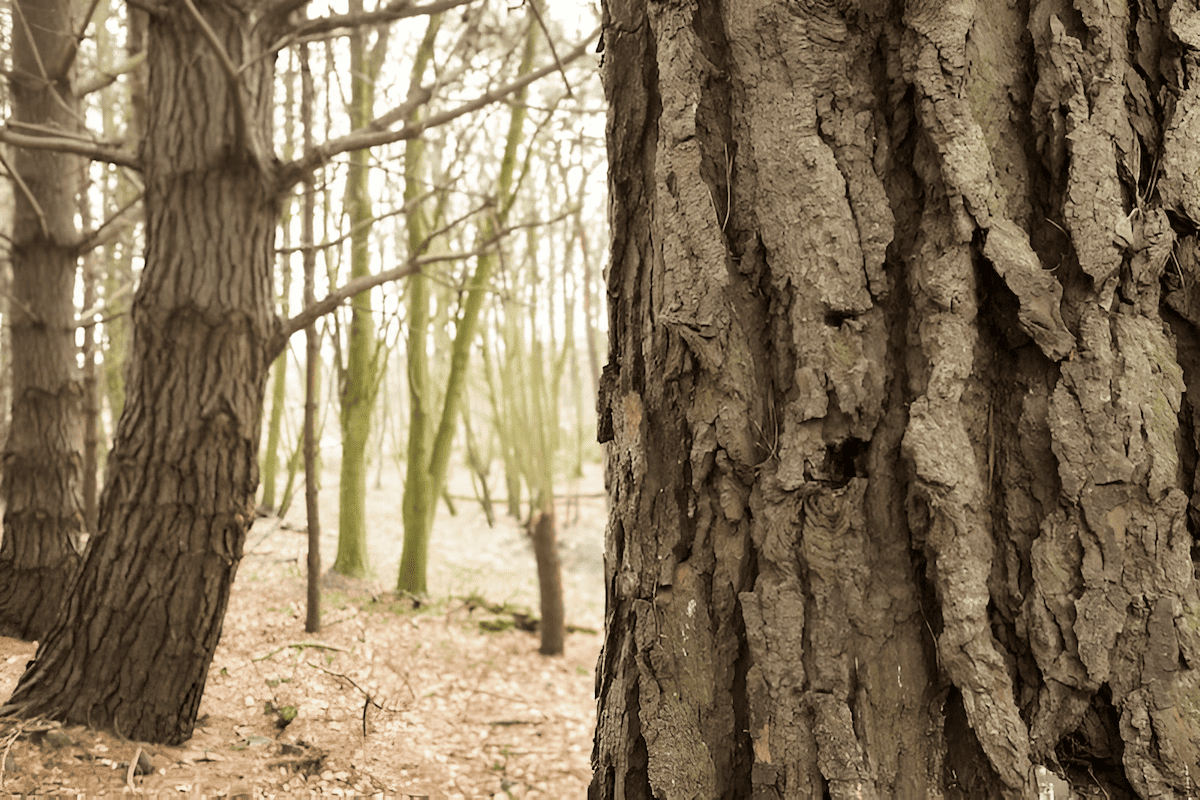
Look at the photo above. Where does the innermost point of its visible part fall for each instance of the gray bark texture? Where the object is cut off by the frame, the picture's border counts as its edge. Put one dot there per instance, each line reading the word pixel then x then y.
pixel 903 318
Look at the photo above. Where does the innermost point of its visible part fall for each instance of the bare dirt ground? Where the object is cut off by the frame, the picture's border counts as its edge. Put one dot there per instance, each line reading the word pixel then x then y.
pixel 440 699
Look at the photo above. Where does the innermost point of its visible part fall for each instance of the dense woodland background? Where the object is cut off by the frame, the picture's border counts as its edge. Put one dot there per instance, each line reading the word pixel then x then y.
pixel 413 186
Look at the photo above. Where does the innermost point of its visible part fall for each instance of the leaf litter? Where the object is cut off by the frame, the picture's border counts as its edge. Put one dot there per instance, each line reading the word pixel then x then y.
pixel 439 698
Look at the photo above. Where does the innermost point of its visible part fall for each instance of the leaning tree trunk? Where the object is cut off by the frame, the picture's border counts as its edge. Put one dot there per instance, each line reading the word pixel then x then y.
pixel 131 650
pixel 43 470
pixel 903 309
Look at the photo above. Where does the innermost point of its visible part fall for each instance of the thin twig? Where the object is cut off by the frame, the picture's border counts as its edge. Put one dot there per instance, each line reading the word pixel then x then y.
pixel 4 756
pixel 29 312
pixel 78 37
pixel 537 14
pixel 92 240
pixel 300 646
pixel 85 318
pixel 318 29
pixel 347 678
pixel 404 209
pixel 129 773
pixel 37 56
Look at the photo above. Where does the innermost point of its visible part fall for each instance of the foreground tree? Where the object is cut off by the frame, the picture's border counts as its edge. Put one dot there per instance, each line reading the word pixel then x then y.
pixel 43 457
pixel 903 314
pixel 182 472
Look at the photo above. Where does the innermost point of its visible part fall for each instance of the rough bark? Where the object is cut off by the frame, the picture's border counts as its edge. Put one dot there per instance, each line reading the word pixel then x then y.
pixel 902 316
pixel 131 650
pixel 43 469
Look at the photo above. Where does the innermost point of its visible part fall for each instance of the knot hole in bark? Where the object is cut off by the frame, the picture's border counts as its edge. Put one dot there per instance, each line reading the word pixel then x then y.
pixel 845 460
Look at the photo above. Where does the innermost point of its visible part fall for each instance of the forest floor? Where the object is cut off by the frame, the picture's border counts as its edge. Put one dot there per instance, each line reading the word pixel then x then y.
pixel 442 698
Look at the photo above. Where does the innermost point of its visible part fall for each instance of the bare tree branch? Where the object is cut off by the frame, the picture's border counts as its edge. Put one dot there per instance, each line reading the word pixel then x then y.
pixel 29 312
pixel 64 143
pixel 73 50
pixel 410 267
pixel 376 133
pixel 117 222
pixel 537 14
pixel 321 25
pixel 88 318
pixel 357 286
pixel 404 209
pixel 19 13
pixel 399 9
pixel 106 76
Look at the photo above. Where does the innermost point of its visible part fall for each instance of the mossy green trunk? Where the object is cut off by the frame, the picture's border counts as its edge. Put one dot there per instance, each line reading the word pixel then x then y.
pixel 360 381
pixel 420 498
pixel 414 556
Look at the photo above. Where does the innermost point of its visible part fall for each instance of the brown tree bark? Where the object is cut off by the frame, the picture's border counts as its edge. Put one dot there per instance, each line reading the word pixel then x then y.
pixel 902 317
pixel 179 491
pixel 42 490
pixel 543 531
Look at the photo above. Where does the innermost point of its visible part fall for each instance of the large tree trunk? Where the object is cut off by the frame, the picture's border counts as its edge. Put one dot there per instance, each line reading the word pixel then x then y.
pixel 42 483
pixel 902 312
pixel 132 648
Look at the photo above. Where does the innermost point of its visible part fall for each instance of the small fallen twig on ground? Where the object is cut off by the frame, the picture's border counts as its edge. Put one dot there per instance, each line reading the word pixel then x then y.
pixel 300 646
pixel 369 699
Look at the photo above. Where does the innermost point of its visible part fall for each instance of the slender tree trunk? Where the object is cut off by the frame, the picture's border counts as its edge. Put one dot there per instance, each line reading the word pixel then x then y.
pixel 552 628
pixel 360 381
pixel 903 311
pixel 270 455
pixel 131 650
pixel 418 526
pixel 89 383
pixel 420 499
pixel 312 368
pixel 43 469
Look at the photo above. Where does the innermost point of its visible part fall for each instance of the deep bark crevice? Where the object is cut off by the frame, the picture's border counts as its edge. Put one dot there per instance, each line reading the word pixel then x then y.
pixel 966 771
pixel 1089 752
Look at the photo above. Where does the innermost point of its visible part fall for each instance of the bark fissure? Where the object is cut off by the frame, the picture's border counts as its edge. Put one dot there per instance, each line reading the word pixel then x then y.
pixel 182 474
pixel 907 338
pixel 42 471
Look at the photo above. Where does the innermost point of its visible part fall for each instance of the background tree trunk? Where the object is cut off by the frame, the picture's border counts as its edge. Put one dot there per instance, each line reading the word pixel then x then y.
pixel 365 354
pixel 425 480
pixel 132 649
pixel 543 531
pixel 43 469
pixel 902 313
